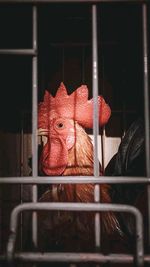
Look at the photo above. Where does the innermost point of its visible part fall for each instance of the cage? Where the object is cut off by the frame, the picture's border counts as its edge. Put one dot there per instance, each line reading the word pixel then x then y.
pixel 104 45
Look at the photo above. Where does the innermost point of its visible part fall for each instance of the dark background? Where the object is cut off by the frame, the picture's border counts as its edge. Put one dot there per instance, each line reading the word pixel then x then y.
pixel 65 54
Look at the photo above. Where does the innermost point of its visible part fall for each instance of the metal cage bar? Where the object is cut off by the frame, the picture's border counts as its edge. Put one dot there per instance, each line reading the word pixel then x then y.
pixel 96 207
pixel 95 121
pixel 74 257
pixel 34 127
pixel 15 52
pixel 146 106
pixel 75 180
pixel 95 88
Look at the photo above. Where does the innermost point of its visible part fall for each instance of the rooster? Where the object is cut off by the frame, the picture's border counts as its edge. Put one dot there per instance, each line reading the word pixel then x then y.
pixel 69 152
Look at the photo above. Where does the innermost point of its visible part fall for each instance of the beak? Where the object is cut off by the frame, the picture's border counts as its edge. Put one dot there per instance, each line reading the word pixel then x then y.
pixel 42 132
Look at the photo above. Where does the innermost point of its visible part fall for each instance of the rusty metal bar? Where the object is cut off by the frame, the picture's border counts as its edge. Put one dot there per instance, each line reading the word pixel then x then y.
pixel 96 207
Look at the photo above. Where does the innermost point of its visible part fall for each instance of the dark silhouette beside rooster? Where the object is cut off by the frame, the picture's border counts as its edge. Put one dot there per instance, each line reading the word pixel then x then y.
pixel 69 152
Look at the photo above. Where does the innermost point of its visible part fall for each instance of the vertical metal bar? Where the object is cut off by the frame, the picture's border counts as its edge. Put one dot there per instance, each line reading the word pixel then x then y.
pixel 103 135
pixel 103 138
pixel 34 126
pixel 124 120
pixel 63 64
pixel 146 106
pixel 95 118
pixel 21 174
pixel 83 64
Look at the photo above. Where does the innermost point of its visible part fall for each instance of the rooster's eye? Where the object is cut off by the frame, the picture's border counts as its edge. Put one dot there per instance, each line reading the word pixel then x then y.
pixel 60 125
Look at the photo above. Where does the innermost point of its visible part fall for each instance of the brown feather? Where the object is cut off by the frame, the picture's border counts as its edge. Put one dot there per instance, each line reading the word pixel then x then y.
pixel 70 230
pixel 80 162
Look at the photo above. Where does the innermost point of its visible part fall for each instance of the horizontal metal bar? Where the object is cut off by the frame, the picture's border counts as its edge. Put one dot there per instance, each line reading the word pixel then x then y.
pixel 71 207
pixel 23 52
pixel 75 180
pixel 76 257
pixel 96 207
pixel 73 257
pixel 72 1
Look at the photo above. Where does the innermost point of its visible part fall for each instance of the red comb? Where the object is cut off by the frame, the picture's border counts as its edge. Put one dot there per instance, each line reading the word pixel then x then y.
pixel 75 106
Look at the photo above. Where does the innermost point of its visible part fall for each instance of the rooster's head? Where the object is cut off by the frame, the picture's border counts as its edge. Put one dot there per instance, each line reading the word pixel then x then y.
pixel 57 117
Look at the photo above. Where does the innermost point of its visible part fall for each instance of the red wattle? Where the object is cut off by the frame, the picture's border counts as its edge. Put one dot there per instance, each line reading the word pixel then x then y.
pixel 54 157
